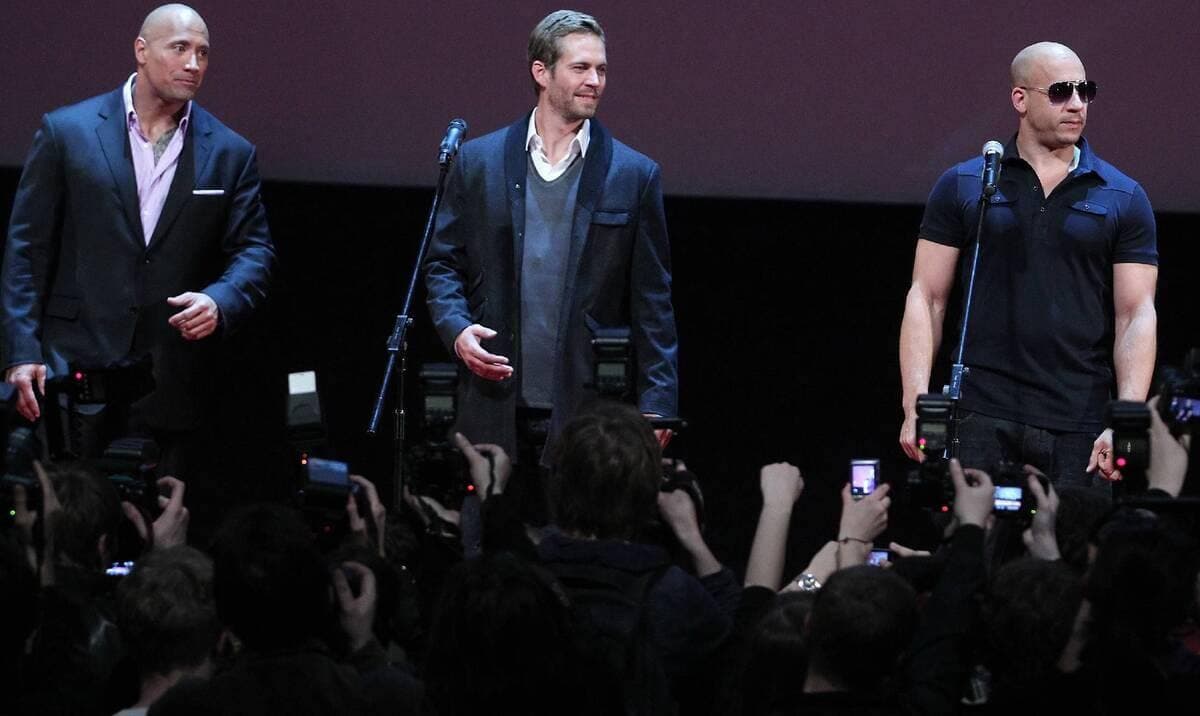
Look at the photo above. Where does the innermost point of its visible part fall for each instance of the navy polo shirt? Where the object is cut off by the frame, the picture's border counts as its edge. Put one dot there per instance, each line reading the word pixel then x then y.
pixel 1040 338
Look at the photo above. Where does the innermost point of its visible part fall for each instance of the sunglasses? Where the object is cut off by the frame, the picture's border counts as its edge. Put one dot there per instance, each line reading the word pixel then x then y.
pixel 1060 92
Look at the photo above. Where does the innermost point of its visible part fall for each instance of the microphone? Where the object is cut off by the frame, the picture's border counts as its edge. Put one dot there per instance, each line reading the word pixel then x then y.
pixel 993 151
pixel 450 143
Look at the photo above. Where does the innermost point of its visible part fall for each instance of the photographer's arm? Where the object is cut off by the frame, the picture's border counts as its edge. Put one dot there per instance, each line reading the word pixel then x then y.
pixel 781 486
pixel 679 513
pixel 862 521
pixel 1168 455
pixel 939 657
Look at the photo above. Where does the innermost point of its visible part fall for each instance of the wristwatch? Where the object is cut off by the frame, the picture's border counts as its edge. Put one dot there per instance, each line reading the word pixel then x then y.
pixel 808 582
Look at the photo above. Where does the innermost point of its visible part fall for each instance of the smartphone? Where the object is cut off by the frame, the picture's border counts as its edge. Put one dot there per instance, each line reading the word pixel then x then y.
pixel 1007 498
pixel 119 569
pixel 879 556
pixel 864 476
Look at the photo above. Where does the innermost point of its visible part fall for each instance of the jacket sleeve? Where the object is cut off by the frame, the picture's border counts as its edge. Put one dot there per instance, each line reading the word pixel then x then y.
pixel 249 252
pixel 445 264
pixel 31 247
pixel 653 318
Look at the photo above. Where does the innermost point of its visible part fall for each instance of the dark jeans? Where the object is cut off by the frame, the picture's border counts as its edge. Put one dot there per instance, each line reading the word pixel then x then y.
pixel 1062 456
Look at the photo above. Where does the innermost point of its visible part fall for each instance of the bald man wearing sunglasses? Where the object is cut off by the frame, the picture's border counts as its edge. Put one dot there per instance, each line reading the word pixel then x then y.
pixel 1063 306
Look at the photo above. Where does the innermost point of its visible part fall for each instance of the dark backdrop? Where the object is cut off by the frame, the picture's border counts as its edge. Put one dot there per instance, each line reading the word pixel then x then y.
pixel 788 315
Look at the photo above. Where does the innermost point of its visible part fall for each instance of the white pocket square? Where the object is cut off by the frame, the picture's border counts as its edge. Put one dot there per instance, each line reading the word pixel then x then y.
pixel 208 192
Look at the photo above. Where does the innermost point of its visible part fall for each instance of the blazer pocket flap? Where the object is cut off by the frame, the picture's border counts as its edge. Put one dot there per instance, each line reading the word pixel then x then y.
pixel 1090 207
pixel 610 218
pixel 63 307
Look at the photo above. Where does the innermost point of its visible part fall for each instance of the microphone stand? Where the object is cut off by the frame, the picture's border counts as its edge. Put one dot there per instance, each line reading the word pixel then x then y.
pixel 959 371
pixel 397 347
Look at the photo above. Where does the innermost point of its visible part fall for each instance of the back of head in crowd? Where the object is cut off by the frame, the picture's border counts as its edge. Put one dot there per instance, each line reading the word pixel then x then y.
pixel 271 585
pixel 502 642
pixel 861 624
pixel 1028 617
pixel 606 474
pixel 1141 585
pixel 85 526
pixel 777 656
pixel 166 612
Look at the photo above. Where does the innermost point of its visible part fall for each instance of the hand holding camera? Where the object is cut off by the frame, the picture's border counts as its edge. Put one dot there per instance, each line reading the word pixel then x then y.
pixel 169 529
pixel 357 598
pixel 1039 537
pixel 862 521
pixel 489 465
pixel 974 495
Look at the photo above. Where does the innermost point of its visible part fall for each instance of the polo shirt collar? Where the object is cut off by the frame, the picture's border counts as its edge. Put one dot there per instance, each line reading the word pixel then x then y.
pixel 1084 162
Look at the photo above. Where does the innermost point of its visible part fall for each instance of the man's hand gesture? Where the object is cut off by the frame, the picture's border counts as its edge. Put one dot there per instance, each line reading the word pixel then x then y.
pixel 483 364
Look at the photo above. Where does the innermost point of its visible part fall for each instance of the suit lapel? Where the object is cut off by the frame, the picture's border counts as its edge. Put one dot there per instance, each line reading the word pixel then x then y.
pixel 113 133
pixel 196 148
pixel 591 187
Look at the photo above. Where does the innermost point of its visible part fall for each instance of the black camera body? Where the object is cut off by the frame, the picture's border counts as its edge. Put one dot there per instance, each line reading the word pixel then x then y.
pixel 1179 394
pixel 1130 423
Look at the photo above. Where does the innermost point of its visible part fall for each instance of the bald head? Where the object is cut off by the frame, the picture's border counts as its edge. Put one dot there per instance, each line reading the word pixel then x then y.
pixel 1026 63
pixel 167 19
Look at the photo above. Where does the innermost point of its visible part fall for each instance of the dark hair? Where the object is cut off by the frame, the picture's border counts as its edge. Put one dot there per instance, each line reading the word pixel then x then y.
pixel 502 641
pixel 1028 616
pixel 1141 585
pixel 544 41
pixel 606 473
pixel 862 620
pixel 1079 510
pixel 777 656
pixel 271 585
pixel 90 509
pixel 165 610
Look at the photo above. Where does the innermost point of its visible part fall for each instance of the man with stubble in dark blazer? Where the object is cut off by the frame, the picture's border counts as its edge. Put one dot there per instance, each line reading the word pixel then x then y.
pixel 137 229
pixel 551 230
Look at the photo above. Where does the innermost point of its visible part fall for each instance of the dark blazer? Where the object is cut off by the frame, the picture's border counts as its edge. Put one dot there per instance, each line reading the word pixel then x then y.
pixel 80 285
pixel 618 274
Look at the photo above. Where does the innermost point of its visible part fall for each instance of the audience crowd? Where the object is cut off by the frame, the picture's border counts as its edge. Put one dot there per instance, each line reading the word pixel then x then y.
pixel 616 606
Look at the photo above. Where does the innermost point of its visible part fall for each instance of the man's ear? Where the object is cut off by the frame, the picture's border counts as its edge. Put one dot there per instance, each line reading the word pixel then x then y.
pixel 1019 99
pixel 103 550
pixel 541 73
pixel 139 51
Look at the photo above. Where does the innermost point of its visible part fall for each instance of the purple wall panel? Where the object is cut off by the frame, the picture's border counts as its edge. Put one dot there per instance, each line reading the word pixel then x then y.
pixel 856 101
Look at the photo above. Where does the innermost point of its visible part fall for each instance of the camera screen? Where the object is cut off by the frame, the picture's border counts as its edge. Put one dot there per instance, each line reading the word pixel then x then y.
pixel 439 402
pixel 328 472
pixel 863 477
pixel 1007 498
pixel 878 557
pixel 1185 410
pixel 119 569
pixel 607 369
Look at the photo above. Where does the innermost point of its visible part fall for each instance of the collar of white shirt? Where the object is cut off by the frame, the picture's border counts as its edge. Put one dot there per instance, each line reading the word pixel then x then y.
pixel 537 149
pixel 131 118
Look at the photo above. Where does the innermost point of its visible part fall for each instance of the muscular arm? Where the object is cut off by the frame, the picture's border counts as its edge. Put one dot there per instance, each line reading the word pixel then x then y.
pixel 921 330
pixel 1135 343
pixel 653 318
pixel 1136 328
